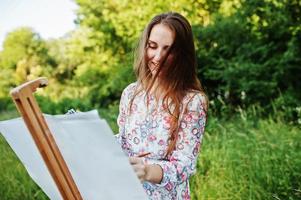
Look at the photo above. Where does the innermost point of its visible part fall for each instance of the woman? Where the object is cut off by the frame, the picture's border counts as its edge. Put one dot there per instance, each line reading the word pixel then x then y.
pixel 162 115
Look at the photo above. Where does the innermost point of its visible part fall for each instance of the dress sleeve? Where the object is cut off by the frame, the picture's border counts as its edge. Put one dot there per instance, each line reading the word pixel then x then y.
pixel 182 162
pixel 122 116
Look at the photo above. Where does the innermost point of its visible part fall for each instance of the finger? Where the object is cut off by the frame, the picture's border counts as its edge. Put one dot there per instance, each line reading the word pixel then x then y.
pixel 141 175
pixel 135 160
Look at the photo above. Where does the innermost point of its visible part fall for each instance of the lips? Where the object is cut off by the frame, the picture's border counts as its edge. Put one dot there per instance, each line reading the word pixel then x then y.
pixel 156 64
pixel 153 67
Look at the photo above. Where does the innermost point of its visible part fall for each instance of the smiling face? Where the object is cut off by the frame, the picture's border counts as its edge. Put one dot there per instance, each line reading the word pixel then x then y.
pixel 160 40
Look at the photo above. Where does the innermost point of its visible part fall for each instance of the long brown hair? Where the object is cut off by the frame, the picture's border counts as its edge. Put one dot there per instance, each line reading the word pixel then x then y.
pixel 177 75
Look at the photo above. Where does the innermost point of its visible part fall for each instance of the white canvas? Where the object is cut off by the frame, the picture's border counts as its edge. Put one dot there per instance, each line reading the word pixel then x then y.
pixel 96 161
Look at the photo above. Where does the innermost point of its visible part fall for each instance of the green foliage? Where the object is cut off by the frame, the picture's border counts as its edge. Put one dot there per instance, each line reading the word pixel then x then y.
pixel 17 45
pixel 24 57
pixel 248 52
pixel 253 56
pixel 61 107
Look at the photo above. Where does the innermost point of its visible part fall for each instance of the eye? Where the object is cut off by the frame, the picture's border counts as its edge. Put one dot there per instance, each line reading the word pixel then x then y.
pixel 152 45
pixel 166 48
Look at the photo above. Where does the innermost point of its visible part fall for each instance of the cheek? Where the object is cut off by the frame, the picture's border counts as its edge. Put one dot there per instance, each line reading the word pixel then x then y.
pixel 169 59
pixel 149 54
pixel 148 57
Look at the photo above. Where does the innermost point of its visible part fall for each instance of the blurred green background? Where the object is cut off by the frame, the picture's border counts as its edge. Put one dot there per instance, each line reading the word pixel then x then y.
pixel 249 61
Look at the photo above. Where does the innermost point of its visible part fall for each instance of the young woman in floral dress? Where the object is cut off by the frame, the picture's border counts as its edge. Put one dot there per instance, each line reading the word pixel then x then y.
pixel 163 114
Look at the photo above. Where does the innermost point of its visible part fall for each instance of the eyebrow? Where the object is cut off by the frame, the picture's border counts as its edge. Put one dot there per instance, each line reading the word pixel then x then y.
pixel 150 41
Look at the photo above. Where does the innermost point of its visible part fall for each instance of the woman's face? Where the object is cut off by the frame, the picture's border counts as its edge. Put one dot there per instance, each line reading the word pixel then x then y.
pixel 160 40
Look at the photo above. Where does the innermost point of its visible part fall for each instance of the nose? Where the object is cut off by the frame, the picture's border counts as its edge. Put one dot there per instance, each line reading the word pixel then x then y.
pixel 158 55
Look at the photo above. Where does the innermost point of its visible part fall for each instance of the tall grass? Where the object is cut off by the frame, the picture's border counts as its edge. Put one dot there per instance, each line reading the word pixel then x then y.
pixel 244 157
pixel 249 159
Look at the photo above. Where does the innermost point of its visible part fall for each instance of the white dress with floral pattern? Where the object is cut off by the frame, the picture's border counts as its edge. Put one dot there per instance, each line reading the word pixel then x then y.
pixel 146 129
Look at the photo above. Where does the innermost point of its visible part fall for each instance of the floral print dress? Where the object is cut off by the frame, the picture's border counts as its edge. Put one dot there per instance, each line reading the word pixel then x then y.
pixel 146 129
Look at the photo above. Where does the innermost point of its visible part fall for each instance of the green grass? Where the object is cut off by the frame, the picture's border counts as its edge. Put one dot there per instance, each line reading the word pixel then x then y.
pixel 15 183
pixel 249 159
pixel 241 158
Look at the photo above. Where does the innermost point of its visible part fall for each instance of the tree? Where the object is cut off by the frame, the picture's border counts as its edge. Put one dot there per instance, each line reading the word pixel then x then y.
pixel 24 57
pixel 253 56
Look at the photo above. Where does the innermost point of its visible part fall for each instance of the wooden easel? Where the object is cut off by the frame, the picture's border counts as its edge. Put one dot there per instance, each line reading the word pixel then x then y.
pixel 37 126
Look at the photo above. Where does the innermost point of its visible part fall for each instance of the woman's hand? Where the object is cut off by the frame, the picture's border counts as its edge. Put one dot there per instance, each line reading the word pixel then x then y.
pixel 152 173
pixel 139 167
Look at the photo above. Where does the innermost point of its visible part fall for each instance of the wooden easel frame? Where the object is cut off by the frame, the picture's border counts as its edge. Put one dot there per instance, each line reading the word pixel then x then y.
pixel 37 126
